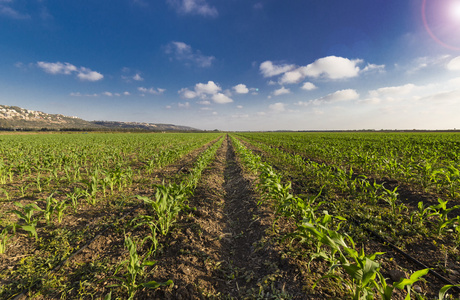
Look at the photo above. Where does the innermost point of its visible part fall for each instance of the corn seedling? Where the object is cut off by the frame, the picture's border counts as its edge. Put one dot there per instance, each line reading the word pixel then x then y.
pixel 60 207
pixel 49 208
pixel 150 222
pixel 386 291
pixel 3 240
pixel 167 204
pixel 390 196
pixel 441 212
pixel 135 267
pixel 27 214
pixel 7 195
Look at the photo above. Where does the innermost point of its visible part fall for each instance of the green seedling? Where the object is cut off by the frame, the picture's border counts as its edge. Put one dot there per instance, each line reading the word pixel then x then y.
pixel 27 214
pixel 3 240
pixel 135 268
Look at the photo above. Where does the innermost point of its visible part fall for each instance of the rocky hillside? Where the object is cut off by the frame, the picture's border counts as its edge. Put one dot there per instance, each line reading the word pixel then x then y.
pixel 16 118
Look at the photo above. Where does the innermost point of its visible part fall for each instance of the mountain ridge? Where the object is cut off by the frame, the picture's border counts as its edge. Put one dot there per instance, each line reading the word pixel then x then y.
pixel 17 118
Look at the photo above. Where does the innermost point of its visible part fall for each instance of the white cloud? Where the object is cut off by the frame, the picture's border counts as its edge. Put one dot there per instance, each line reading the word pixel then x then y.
pixel 268 69
pixel 57 68
pixel 454 64
pixel 281 91
pixel 203 90
pixel 184 105
pixel 138 77
pixel 277 107
pixel 241 89
pixel 207 88
pixel 373 67
pixel 338 96
pixel 183 52
pixel 393 90
pixel 87 74
pixel 221 98
pixel 308 86
pixel 106 93
pixel 239 106
pixel 292 77
pixel 204 102
pixel 187 94
pixel 332 67
pixel 151 90
pixel 194 7
pixel 67 69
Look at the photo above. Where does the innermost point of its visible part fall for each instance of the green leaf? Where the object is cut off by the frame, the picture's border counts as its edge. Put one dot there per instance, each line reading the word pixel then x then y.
pixel 413 279
pixel 369 271
pixel 153 284
pixel 444 289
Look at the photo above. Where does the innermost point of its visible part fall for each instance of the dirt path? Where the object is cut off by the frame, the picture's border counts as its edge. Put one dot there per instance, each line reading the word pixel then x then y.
pixel 222 250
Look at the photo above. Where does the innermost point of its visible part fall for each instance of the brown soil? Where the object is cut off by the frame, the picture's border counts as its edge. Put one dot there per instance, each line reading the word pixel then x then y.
pixel 223 250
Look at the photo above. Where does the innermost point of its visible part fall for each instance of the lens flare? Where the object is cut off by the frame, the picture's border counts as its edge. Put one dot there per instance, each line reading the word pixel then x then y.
pixel 442 22
pixel 454 11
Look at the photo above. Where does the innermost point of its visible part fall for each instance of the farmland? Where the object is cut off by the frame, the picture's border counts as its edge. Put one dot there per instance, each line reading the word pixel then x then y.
pixel 221 216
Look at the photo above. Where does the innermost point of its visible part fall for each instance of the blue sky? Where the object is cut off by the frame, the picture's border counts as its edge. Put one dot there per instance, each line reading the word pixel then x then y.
pixel 236 64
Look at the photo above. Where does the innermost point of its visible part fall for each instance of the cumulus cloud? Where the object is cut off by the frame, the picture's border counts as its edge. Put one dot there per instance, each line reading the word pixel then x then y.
pixel 87 74
pixel 268 69
pixel 151 90
pixel 241 89
pixel 373 67
pixel 221 98
pixel 277 107
pixel 183 105
pixel 57 68
pixel 308 86
pixel 187 94
pixel 194 7
pixel 183 52
pixel 330 67
pixel 109 94
pixel 138 77
pixel 454 64
pixel 393 90
pixel 203 90
pixel 207 88
pixel 204 102
pixel 281 91
pixel 338 96
pixel 67 69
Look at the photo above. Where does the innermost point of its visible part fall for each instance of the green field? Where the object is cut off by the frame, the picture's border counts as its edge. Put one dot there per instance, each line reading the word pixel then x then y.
pixel 221 216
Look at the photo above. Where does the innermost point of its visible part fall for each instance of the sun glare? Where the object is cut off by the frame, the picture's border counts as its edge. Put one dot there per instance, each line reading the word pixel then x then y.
pixel 454 10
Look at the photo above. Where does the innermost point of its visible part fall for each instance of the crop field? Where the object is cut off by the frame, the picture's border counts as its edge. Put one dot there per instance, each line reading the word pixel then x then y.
pixel 362 215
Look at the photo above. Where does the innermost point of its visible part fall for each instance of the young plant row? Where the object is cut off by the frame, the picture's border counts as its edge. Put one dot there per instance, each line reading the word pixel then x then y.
pixel 59 220
pixel 109 162
pixel 320 232
pixel 429 161
pixel 377 207
pixel 169 200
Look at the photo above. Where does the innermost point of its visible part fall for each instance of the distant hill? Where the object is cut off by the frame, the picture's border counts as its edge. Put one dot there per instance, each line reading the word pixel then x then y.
pixel 142 126
pixel 17 118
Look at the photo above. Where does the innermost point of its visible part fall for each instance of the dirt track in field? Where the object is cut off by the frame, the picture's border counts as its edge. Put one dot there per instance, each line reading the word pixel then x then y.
pixel 222 250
